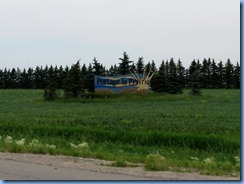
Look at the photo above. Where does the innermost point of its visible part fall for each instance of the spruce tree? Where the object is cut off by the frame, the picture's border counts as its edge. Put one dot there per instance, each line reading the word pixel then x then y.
pixel 220 74
pixel 174 86
pixel 228 74
pixel 1 79
pixel 89 83
pixel 97 68
pixel 124 66
pixel 50 92
pixel 194 79
pixel 180 70
pixel 213 75
pixel 73 82
pixel 158 82
pixel 237 76
pixel 140 65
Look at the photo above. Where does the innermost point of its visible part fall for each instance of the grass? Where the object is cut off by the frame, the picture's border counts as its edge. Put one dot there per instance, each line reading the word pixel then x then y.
pixel 200 133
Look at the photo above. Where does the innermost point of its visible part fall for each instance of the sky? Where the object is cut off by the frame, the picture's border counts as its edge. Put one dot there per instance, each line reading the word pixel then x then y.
pixel 60 32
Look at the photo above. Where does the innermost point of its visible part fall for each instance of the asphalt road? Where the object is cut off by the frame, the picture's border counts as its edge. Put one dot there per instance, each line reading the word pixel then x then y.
pixel 15 170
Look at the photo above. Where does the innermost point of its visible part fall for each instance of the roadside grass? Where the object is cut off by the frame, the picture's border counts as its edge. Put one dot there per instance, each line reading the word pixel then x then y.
pixel 164 132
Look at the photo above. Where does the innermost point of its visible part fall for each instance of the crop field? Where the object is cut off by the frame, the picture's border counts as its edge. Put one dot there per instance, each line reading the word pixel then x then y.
pixel 164 132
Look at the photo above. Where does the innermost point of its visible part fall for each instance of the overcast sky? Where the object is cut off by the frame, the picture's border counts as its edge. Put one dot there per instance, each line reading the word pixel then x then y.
pixel 59 32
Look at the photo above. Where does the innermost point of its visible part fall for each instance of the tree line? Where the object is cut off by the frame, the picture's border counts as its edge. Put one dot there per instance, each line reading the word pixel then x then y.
pixel 171 77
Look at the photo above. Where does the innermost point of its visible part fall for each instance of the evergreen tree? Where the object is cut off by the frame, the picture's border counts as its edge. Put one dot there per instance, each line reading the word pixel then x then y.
pixel 50 92
pixel 174 86
pixel 228 74
pixel 195 77
pixel 60 77
pixel 140 65
pixel 83 77
pixel 205 73
pixel 158 83
pixel 180 70
pixel 73 82
pixel 30 78
pixel 37 78
pixel 237 76
pixel 153 67
pixel 113 71
pixel 13 79
pixel 147 68
pixel 195 84
pixel 89 83
pixel 124 66
pixel 213 75
pixel 220 74
pixel 1 80
pixel 97 67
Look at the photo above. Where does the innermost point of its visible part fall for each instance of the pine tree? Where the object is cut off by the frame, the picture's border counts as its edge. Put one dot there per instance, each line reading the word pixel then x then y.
pixel 124 66
pixel 50 92
pixel 147 68
pixel 237 76
pixel 228 74
pixel 140 65
pixel 83 77
pixel 220 74
pixel 1 79
pixel 37 78
pixel 89 83
pixel 194 84
pixel 180 70
pixel 174 86
pixel 158 82
pixel 205 73
pixel 213 75
pixel 97 68
pixel 60 77
pixel 73 82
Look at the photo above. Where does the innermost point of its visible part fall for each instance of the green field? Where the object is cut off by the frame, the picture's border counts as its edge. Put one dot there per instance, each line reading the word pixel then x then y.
pixel 165 132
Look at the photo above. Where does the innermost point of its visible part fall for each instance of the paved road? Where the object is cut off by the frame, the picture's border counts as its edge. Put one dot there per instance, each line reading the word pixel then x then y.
pixel 15 170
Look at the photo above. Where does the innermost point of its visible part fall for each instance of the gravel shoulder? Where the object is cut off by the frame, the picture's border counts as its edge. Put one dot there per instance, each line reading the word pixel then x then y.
pixel 102 166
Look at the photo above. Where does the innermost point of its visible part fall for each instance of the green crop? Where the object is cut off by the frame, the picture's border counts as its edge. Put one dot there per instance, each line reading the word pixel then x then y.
pixel 128 127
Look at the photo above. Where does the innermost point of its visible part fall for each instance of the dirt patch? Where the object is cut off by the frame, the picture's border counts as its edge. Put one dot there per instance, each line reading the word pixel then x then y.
pixel 103 167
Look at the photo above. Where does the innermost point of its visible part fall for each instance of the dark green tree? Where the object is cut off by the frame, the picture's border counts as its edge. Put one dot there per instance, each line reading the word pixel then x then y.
pixel 205 73
pixel 237 76
pixel 213 75
pixel 194 83
pixel 89 83
pixel 73 82
pixel 113 70
pixel 50 92
pixel 1 79
pixel 180 70
pixel 124 66
pixel 97 68
pixel 140 65
pixel 174 86
pixel 158 82
pixel 220 74
pixel 229 74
